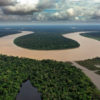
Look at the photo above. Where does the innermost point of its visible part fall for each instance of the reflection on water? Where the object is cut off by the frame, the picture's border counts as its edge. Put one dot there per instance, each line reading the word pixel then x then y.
pixel 28 92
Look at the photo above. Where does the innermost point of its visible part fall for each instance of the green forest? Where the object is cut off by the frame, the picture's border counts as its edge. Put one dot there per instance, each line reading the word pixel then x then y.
pixel 8 32
pixel 54 80
pixel 44 40
pixel 94 35
pixel 91 64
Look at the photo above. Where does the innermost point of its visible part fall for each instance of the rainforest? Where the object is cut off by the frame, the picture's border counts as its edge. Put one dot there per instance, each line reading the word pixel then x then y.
pixel 55 80
pixel 46 41
pixel 94 35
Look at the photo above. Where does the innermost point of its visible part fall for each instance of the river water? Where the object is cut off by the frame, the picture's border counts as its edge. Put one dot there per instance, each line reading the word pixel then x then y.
pixel 28 92
pixel 89 48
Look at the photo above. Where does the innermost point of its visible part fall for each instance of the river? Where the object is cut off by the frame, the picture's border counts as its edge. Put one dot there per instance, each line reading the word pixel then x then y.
pixel 89 48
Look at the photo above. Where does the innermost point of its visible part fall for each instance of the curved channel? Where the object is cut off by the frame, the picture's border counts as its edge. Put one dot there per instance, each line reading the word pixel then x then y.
pixel 89 48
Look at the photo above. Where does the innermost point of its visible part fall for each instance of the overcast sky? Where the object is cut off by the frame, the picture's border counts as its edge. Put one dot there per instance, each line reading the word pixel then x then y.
pixel 49 10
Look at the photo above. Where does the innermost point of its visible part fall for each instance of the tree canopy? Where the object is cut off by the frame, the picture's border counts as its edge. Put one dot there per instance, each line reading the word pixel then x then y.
pixel 54 80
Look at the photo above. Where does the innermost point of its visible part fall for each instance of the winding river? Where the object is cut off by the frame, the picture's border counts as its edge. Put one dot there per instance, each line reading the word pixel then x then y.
pixel 89 48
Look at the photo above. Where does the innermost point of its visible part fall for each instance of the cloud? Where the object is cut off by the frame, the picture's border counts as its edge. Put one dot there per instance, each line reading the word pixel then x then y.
pixel 21 8
pixel 7 2
pixel 96 15
pixel 15 18
pixel 44 4
pixel 70 11
pixel 97 1
pixel 50 10
pixel 27 7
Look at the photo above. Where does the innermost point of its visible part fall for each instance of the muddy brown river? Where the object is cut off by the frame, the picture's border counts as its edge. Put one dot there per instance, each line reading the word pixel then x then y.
pixel 89 48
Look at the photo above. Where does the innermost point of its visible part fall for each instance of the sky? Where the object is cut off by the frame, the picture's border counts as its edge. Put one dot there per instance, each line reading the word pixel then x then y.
pixel 49 11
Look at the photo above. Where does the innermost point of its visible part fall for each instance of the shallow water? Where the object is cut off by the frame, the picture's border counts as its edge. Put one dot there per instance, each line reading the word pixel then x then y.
pixel 28 92
pixel 89 48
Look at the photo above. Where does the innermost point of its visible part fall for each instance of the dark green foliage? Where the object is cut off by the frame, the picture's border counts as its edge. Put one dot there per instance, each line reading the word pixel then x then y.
pixel 4 32
pixel 55 80
pixel 94 35
pixel 91 64
pixel 45 41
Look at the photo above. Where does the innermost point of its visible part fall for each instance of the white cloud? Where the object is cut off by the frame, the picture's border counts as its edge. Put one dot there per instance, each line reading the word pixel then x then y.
pixel 22 7
pixel 71 11
pixel 97 1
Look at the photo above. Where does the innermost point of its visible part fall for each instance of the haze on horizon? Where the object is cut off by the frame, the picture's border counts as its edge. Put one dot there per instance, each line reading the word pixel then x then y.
pixel 49 11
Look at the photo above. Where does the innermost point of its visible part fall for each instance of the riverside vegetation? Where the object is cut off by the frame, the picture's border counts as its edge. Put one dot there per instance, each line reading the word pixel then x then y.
pixel 54 80
pixel 91 64
pixel 4 32
pixel 45 41
pixel 94 35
